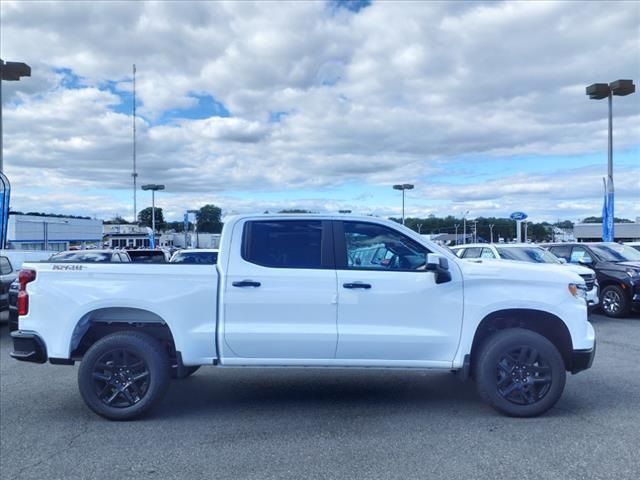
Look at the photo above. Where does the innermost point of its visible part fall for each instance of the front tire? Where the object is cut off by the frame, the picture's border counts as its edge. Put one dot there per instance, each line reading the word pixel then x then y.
pixel 614 302
pixel 123 375
pixel 520 373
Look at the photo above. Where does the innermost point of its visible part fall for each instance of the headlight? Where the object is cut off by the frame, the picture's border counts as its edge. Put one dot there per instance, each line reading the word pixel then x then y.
pixel 578 290
pixel 633 273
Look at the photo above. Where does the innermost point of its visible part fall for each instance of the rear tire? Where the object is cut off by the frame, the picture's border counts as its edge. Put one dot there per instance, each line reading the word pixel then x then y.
pixel 614 302
pixel 520 373
pixel 123 375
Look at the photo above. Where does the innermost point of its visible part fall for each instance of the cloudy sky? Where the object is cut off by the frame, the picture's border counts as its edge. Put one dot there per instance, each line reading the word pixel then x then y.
pixel 321 105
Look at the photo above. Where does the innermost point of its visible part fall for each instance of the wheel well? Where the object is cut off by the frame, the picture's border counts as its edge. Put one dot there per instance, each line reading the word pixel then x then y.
pixel 544 323
pixel 105 321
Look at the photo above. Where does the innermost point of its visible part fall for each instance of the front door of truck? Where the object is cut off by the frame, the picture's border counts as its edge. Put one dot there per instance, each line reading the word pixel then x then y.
pixel 280 292
pixel 389 306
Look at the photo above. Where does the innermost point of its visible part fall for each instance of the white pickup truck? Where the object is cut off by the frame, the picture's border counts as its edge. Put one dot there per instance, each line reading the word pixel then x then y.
pixel 308 291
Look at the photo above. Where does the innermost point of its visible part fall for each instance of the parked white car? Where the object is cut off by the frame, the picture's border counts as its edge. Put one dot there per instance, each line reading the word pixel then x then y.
pixel 524 252
pixel 635 245
pixel 308 291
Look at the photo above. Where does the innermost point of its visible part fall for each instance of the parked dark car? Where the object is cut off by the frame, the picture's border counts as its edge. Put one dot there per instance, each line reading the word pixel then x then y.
pixel 7 277
pixel 617 269
pixel 148 256
pixel 96 256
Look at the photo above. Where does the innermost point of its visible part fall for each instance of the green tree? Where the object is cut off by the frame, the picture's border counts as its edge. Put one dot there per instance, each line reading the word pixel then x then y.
pixel 117 220
pixel 144 218
pixel 208 219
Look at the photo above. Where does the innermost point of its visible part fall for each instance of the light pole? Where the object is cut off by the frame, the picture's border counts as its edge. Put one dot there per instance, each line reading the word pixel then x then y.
pixel 464 227
pixel 491 225
pixel 419 225
pixel 403 187
pixel 10 71
pixel 195 226
pixel 475 231
pixel 456 227
pixel 153 187
pixel 598 91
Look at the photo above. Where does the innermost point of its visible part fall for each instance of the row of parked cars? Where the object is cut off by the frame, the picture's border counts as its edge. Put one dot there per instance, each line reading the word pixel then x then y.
pixel 611 270
pixel 192 256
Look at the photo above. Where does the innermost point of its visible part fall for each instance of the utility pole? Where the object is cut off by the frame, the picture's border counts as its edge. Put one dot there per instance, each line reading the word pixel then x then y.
pixel 464 227
pixel 491 230
pixel 135 173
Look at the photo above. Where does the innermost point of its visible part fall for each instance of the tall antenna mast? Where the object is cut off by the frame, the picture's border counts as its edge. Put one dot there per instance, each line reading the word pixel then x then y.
pixel 135 173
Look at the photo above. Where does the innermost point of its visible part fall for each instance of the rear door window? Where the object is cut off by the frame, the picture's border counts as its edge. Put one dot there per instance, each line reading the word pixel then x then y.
pixel 487 253
pixel 472 252
pixel 283 243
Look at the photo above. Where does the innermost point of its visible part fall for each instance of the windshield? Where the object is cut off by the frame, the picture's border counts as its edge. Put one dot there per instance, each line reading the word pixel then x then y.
pixel 81 257
pixel 527 254
pixel 202 258
pixel 147 256
pixel 614 252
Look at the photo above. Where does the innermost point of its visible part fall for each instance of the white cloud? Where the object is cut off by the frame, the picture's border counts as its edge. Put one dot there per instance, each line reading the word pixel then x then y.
pixel 393 93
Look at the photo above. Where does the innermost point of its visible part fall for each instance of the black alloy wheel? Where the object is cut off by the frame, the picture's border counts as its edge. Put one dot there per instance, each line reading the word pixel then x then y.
pixel 519 372
pixel 120 378
pixel 523 376
pixel 124 374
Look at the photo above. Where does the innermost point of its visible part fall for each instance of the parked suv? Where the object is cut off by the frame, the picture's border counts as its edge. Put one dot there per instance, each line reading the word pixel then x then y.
pixel 617 268
pixel 524 252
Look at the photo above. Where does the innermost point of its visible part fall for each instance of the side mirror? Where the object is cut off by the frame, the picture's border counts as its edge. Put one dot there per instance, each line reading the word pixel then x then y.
pixel 563 260
pixel 585 261
pixel 439 265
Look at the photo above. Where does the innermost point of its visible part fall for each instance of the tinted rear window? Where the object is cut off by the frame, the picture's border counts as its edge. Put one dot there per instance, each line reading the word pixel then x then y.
pixel 147 256
pixel 284 243
pixel 201 258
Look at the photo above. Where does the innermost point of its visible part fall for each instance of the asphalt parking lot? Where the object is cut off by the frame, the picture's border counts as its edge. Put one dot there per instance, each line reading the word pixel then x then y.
pixel 308 424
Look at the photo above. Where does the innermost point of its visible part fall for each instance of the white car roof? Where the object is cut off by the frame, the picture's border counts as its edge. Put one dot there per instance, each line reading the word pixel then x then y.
pixel 198 250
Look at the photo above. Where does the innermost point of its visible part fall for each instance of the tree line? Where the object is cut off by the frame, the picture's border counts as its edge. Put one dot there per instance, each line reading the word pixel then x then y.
pixel 208 220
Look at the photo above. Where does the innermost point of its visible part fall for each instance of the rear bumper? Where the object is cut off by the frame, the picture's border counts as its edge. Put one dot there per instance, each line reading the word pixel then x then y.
pixel 582 359
pixel 28 347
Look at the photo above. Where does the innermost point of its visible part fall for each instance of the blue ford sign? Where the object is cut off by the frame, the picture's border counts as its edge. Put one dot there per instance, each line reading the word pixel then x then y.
pixel 518 216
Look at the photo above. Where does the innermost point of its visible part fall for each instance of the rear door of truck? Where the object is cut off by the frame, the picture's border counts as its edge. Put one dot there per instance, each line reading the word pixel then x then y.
pixel 280 292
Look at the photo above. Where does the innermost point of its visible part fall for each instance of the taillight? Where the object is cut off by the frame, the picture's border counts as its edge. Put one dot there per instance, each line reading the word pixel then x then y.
pixel 24 277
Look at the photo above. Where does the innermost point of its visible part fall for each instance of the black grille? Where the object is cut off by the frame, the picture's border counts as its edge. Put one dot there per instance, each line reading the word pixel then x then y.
pixel 590 280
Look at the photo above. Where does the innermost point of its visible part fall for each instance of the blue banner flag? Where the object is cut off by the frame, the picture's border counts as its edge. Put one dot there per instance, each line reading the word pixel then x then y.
pixel 608 233
pixel 5 193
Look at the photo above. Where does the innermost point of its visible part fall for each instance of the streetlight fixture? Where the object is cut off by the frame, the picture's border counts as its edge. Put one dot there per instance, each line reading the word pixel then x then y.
pixel 154 188
pixel 10 71
pixel 598 91
pixel 403 187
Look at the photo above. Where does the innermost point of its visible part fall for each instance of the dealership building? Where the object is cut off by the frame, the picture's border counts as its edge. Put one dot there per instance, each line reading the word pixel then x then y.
pixel 592 232
pixel 35 232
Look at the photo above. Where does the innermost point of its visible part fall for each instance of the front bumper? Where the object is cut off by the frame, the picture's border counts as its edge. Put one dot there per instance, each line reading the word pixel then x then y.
pixel 582 359
pixel 28 347
pixel 593 298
